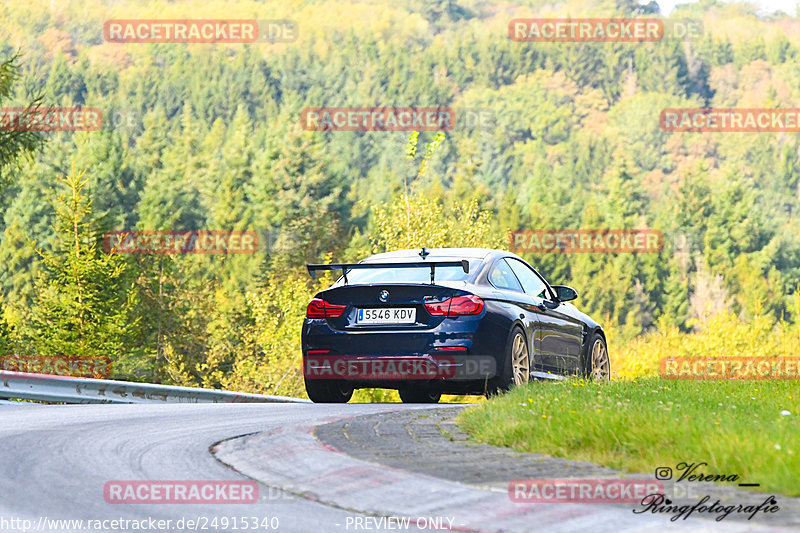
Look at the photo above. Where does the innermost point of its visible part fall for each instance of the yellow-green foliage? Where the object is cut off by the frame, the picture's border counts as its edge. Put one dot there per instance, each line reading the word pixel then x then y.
pixel 723 336
pixel 278 311
pixel 415 221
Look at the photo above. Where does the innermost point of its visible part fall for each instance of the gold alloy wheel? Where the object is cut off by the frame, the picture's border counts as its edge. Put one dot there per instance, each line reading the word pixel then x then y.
pixel 520 363
pixel 601 368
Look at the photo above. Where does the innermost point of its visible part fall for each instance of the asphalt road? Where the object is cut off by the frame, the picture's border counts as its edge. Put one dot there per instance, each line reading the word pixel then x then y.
pixel 56 460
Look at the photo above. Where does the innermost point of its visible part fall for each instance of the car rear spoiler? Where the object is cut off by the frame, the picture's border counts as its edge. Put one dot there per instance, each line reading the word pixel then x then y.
pixel 345 267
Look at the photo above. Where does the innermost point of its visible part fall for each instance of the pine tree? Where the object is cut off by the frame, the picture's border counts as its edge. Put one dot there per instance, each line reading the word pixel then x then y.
pixel 15 142
pixel 294 190
pixel 83 301
pixel 171 196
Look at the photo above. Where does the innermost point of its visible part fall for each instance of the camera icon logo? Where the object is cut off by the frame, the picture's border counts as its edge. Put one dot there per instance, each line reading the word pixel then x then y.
pixel 663 473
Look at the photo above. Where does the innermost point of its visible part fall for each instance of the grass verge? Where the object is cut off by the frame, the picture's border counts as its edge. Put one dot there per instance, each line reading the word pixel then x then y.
pixel 737 427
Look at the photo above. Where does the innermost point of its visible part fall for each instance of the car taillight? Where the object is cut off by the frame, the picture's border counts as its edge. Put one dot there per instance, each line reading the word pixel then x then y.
pixel 318 308
pixel 457 306
pixel 465 305
pixel 438 308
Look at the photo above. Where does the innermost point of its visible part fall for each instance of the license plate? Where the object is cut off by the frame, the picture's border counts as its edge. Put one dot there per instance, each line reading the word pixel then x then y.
pixel 387 315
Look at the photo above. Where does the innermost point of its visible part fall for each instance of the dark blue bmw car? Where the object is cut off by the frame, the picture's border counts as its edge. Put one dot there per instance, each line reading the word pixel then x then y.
pixel 444 321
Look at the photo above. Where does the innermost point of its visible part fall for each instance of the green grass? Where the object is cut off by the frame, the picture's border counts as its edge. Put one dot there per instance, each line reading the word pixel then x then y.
pixel 734 426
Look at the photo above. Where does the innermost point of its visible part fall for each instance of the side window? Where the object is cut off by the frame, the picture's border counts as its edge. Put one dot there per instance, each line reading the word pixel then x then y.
pixel 532 283
pixel 503 278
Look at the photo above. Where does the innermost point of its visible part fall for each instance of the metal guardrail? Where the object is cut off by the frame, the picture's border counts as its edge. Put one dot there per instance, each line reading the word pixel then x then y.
pixel 63 389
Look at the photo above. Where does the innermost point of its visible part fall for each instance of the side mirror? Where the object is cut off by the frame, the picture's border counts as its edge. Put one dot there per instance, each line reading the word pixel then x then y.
pixel 564 293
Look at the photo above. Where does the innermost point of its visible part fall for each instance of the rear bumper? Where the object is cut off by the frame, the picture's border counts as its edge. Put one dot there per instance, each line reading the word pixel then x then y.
pixel 464 332
pixel 457 357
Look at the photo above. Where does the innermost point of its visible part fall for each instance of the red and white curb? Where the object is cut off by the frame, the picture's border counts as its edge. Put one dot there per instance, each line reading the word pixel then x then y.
pixel 292 459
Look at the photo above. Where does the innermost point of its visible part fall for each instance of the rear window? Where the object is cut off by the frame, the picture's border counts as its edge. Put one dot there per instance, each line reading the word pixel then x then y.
pixel 410 275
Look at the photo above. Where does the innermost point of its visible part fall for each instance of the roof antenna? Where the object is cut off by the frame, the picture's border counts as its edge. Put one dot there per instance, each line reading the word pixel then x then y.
pixel 424 253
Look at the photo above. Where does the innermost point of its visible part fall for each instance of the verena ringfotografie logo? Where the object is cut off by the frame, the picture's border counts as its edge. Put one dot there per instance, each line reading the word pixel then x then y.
pixel 318 365
pixel 566 241
pixel 578 490
pixel 199 31
pixel 80 366
pixel 660 504
pixel 693 474
pixel 180 492
pixel 595 30
pixel 50 119
pixel 731 120
pixel 730 368
pixel 377 118
pixel 180 242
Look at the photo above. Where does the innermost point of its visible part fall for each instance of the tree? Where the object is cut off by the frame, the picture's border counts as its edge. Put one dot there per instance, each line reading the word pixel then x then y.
pixel 416 220
pixel 84 297
pixel 295 192
pixel 171 197
pixel 16 142
pixel 617 283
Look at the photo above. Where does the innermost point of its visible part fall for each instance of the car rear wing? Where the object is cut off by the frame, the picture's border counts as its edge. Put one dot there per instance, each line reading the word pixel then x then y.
pixel 345 267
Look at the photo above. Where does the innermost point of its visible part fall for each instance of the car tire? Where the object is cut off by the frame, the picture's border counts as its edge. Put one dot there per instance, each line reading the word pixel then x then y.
pixel 417 395
pixel 516 367
pixel 596 363
pixel 328 391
